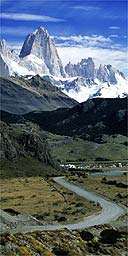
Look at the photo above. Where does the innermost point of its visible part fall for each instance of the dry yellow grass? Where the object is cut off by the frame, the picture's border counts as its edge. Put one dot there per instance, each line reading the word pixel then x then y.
pixel 111 191
pixel 36 196
pixel 28 195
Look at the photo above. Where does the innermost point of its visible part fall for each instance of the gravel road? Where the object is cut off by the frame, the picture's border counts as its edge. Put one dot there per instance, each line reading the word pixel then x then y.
pixel 110 212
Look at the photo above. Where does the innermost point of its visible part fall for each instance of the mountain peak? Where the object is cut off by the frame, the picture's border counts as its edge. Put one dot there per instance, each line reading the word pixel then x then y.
pixel 3 48
pixel 85 68
pixel 35 43
pixel 41 30
pixel 43 47
pixel 89 59
pixel 107 73
pixel 3 42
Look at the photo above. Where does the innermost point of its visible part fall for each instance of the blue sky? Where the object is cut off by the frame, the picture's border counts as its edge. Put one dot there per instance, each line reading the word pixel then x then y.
pixel 80 28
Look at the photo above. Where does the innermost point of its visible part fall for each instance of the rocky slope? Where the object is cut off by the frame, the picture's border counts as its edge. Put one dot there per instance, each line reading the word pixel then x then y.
pixel 19 95
pixel 22 145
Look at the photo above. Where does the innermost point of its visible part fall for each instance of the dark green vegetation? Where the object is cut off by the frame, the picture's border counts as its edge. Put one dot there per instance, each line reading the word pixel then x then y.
pixel 69 149
pixel 89 120
pixel 66 243
pixel 93 130
pixel 24 151
pixel 19 95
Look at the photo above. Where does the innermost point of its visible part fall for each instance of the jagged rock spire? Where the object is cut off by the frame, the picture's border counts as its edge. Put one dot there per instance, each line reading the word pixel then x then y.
pixel 42 46
pixel 3 48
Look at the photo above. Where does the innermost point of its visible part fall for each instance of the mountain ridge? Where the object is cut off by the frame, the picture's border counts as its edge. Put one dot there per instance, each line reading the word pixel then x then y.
pixel 89 120
pixel 79 81
pixel 20 96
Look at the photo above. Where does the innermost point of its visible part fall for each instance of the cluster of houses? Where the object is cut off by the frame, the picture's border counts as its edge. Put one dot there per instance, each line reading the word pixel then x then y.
pixel 94 166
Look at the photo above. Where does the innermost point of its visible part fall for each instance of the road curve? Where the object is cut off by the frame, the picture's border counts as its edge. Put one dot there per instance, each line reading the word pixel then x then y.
pixel 110 211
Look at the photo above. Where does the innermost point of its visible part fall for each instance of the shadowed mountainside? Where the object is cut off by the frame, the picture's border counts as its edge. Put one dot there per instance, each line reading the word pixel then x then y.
pixel 20 95
pixel 88 120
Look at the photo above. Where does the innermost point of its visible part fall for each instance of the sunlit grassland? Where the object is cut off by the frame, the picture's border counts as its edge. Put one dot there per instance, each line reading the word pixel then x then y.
pixel 44 199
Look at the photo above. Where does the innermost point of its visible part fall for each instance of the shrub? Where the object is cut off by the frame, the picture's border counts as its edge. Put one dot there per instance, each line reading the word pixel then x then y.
pixel 109 236
pixel 60 251
pixel 24 251
pixel 126 143
pixel 86 235
pixel 48 254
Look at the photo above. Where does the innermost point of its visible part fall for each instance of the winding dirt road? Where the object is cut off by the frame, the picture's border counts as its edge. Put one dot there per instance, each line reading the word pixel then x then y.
pixel 110 212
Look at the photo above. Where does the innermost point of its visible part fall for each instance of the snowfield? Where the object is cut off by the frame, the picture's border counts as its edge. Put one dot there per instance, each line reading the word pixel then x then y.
pixel 79 89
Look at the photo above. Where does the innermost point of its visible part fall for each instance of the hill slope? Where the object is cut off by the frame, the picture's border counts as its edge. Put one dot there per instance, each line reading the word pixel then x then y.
pixel 24 151
pixel 89 120
pixel 19 95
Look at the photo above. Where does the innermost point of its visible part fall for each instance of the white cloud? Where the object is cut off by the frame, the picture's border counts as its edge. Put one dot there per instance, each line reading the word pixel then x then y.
pixel 114 27
pixel 87 41
pixel 28 17
pixel 86 8
pixel 114 36
pixel 117 58
pixel 15 46
pixel 95 10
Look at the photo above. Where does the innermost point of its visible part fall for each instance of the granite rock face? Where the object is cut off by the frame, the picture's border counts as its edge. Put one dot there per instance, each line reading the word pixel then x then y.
pixel 3 48
pixel 42 46
pixel 4 69
pixel 4 54
pixel 37 56
pixel 106 73
pixel 85 68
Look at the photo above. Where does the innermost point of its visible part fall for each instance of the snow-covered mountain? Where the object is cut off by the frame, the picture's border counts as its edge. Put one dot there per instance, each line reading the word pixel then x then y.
pixel 85 68
pixel 39 44
pixel 79 81
pixel 82 89
pixel 38 56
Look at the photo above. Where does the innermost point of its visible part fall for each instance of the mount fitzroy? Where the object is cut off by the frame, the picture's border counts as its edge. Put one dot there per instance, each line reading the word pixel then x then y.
pixel 80 81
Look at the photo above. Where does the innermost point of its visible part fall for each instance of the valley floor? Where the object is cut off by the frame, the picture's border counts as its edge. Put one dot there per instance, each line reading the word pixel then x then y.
pixel 92 241
pixel 47 201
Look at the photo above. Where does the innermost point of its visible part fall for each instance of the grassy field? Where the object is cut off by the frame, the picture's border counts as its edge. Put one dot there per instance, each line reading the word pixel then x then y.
pixel 49 202
pixel 117 194
pixel 67 149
